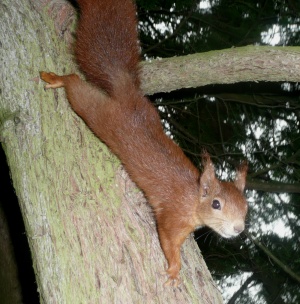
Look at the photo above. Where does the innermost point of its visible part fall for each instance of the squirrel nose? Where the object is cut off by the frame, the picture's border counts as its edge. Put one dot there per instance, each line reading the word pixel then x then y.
pixel 238 228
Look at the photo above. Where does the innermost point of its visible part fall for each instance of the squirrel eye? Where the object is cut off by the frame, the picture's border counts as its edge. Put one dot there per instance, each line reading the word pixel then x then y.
pixel 216 204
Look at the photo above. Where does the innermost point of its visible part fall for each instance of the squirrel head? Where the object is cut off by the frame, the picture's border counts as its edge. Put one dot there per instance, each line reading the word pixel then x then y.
pixel 222 205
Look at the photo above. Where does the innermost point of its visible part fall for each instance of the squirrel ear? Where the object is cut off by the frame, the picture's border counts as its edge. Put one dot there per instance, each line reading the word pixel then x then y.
pixel 208 178
pixel 241 174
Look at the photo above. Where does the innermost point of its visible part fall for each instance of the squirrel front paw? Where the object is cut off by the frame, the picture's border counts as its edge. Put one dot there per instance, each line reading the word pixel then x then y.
pixel 173 278
pixel 172 282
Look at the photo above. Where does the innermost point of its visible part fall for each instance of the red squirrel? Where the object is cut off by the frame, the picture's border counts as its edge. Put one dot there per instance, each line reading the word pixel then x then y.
pixel 112 104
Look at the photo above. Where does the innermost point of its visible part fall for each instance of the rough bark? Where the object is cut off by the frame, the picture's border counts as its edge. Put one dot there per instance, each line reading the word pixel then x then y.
pixel 92 235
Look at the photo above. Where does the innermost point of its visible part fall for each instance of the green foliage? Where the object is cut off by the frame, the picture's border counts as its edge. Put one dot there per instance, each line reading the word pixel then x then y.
pixel 259 122
pixel 171 28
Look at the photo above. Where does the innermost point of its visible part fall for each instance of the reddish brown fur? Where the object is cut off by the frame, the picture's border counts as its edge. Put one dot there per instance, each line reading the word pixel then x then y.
pixel 107 41
pixel 114 107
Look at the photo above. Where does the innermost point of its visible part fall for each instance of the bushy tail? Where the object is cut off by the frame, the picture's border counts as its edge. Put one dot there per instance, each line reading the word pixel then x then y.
pixel 107 42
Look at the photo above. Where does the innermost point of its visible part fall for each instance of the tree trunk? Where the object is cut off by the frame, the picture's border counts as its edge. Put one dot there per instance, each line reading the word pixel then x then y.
pixel 92 235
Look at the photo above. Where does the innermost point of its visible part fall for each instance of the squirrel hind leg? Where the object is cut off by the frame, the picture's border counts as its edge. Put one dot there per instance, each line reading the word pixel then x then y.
pixel 55 81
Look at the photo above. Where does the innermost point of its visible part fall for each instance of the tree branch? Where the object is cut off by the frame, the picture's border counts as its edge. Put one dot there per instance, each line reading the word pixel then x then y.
pixel 240 291
pixel 250 63
pixel 277 187
pixel 283 266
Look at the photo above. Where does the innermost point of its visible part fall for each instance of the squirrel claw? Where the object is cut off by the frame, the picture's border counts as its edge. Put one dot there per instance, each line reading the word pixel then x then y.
pixel 172 282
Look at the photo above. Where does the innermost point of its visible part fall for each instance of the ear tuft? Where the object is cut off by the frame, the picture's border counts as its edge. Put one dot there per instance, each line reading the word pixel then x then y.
pixel 241 174
pixel 208 178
